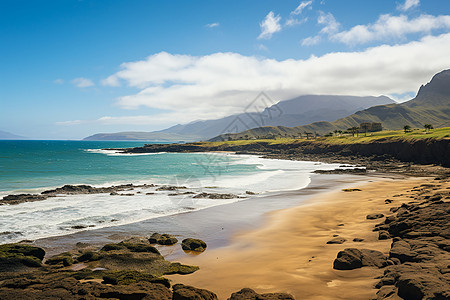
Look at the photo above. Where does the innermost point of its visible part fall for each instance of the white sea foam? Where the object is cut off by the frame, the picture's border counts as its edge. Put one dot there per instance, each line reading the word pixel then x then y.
pixel 119 153
pixel 58 215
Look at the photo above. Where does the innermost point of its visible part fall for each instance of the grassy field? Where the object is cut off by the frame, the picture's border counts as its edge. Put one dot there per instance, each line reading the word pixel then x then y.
pixel 439 133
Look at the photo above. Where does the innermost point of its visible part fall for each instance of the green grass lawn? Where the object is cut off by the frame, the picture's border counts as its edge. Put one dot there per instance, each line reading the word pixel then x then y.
pixel 439 133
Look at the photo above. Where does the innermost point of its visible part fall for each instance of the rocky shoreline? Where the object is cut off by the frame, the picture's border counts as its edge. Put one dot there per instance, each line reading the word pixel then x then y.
pixel 417 266
pixel 131 269
pixel 427 157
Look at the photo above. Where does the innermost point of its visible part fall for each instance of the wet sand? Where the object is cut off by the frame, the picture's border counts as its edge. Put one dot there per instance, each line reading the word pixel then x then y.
pixel 215 225
pixel 288 253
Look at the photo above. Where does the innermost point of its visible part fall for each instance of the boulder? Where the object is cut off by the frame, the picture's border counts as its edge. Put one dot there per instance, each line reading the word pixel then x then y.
pixel 185 292
pixel 163 239
pixel 402 250
pixel 383 235
pixel 249 294
pixel 193 245
pixel 374 216
pixel 337 240
pixel 352 258
pixel 16 256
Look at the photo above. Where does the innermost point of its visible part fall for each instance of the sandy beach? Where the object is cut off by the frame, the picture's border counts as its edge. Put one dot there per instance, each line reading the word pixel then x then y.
pixel 289 253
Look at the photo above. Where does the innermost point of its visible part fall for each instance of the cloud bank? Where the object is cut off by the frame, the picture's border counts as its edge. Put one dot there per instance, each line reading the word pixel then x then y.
pixel 216 85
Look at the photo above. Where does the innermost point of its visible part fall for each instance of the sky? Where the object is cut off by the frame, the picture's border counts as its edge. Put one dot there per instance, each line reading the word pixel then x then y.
pixel 73 68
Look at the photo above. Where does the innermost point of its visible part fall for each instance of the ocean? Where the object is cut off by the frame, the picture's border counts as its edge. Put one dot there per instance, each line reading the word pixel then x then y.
pixel 35 166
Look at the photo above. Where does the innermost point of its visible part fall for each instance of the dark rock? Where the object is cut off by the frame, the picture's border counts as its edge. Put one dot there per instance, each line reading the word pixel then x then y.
pixel 193 245
pixel 163 239
pixel 170 188
pixel 78 227
pixel 16 199
pixel 374 216
pixel 184 292
pixel 402 250
pixel 216 196
pixel 249 294
pixel 15 256
pixel 352 258
pixel 358 240
pixel 337 240
pixel 64 259
pixel 250 193
pixel 343 171
pixel 177 268
pixel 383 235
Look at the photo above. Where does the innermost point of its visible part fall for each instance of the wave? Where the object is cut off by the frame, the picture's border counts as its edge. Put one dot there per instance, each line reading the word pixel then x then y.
pixel 118 153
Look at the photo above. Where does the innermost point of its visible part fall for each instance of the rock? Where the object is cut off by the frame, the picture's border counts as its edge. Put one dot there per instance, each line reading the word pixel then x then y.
pixel 163 239
pixel 193 245
pixel 128 277
pixel 170 188
pixel 15 256
pixel 216 196
pixel 352 258
pixel 184 292
pixel 343 171
pixel 177 268
pixel 374 216
pixel 351 190
pixel 250 193
pixel 16 199
pixel 383 235
pixel 78 227
pixel 64 259
pixel 357 240
pixel 337 240
pixel 402 251
pixel 249 294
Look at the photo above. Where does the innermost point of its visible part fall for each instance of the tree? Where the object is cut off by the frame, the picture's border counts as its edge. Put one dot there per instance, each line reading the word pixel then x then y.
pixel 365 128
pixel 407 128
pixel 354 130
pixel 428 127
pixel 336 132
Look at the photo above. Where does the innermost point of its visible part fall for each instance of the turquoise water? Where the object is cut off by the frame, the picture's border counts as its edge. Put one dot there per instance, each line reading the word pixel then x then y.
pixel 33 166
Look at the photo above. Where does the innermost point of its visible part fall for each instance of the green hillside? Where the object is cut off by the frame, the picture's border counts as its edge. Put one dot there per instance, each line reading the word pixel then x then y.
pixel 430 106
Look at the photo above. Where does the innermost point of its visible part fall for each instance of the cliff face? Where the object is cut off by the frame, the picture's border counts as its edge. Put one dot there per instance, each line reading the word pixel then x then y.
pixel 424 151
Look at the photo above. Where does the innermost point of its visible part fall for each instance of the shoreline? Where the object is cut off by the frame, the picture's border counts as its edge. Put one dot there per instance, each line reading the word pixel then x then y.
pixel 214 224
pixel 289 253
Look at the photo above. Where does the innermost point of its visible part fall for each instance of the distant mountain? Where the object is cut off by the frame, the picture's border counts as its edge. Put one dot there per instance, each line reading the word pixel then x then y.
pixel 9 136
pixel 430 106
pixel 141 136
pixel 294 112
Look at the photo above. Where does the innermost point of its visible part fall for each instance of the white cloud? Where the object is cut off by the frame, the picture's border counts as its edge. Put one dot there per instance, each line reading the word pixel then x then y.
pixel 330 25
pixel 269 26
pixel 392 27
pixel 58 81
pixel 262 47
pixel 292 22
pixel 311 41
pixel 82 82
pixel 408 5
pixel 212 25
pixel 301 7
pixel 220 84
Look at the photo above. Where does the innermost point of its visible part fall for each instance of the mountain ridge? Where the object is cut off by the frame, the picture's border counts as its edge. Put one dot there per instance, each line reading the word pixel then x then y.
pixel 430 106
pixel 300 110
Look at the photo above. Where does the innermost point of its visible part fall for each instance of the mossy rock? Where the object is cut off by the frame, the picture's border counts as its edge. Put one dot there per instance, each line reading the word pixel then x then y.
pixel 193 245
pixel 177 268
pixel 10 250
pixel 89 256
pixel 64 258
pixel 140 248
pixel 163 239
pixel 111 247
pixel 14 255
pixel 129 277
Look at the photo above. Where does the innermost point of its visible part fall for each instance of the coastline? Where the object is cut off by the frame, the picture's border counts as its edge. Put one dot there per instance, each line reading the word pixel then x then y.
pixel 216 225
pixel 289 252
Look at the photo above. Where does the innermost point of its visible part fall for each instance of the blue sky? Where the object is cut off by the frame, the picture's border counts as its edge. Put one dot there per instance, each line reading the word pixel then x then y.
pixel 73 68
